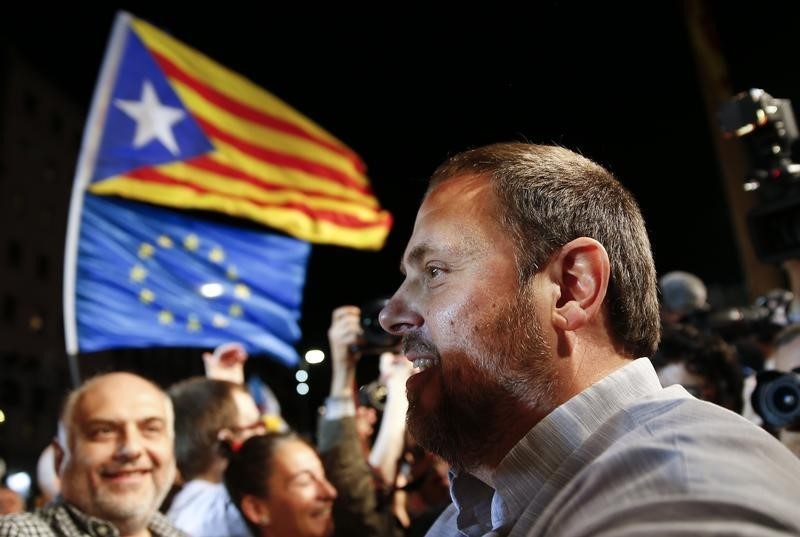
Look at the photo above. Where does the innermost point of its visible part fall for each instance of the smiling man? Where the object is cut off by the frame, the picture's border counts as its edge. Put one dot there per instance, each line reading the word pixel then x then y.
pixel 529 302
pixel 114 455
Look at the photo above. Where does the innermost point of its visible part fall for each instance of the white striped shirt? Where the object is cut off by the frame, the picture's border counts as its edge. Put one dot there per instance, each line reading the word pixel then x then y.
pixel 627 457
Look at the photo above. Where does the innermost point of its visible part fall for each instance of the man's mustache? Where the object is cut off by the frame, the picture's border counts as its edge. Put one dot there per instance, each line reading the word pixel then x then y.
pixel 414 344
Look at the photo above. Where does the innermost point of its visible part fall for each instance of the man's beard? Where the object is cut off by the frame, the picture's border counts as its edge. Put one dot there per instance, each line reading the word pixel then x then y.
pixel 508 371
pixel 130 513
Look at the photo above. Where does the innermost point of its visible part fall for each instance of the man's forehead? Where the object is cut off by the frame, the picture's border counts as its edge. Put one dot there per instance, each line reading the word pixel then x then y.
pixel 113 400
pixel 459 189
pixel 451 216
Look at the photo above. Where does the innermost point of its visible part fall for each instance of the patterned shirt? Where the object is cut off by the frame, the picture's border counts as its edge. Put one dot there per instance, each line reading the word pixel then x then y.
pixel 627 457
pixel 60 519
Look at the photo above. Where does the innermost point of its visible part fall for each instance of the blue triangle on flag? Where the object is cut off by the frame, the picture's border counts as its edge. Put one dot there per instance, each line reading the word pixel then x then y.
pixel 146 123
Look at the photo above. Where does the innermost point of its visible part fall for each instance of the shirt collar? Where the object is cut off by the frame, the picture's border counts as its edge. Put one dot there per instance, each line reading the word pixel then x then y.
pixel 159 526
pixel 538 455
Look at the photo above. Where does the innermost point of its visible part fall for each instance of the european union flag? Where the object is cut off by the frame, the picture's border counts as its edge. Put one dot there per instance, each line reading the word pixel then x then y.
pixel 152 277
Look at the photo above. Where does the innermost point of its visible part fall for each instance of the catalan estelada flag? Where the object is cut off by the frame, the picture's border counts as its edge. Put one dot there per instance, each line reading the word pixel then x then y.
pixel 172 127
pixel 169 130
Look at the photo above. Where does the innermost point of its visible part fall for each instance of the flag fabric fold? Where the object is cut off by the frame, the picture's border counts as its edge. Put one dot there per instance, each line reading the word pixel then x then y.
pixel 154 277
pixel 178 129
pixel 170 130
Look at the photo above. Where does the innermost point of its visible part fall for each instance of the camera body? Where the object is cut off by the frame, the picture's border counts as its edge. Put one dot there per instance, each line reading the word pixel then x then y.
pixel 376 339
pixel 768 129
pixel 777 398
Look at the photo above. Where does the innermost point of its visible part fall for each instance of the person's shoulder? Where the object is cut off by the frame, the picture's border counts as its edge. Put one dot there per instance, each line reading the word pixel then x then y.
pixel 698 430
pixel 672 460
pixel 160 526
pixel 198 506
pixel 683 446
pixel 24 525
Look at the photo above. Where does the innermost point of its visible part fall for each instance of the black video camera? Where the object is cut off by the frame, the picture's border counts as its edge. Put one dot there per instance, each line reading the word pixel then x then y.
pixel 376 339
pixel 768 129
pixel 777 398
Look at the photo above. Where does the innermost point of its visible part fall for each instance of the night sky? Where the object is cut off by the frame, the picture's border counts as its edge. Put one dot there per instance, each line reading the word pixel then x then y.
pixel 405 89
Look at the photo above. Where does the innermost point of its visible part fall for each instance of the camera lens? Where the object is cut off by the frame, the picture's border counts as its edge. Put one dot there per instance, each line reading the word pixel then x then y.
pixel 785 399
pixel 777 398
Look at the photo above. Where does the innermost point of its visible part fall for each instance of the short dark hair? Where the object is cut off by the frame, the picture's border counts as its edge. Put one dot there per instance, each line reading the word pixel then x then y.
pixel 250 467
pixel 203 407
pixel 549 196
pixel 706 355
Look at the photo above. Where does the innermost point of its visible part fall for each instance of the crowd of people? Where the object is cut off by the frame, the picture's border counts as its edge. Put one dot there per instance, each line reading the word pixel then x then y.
pixel 540 387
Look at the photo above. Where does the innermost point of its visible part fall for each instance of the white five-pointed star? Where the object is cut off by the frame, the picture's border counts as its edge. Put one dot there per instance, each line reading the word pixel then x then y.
pixel 153 120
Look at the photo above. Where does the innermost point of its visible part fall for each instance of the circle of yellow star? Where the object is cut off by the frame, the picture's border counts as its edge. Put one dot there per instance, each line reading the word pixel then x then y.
pixel 219 320
pixel 231 272
pixel 146 250
pixel 138 273
pixel 240 290
pixel 193 323
pixel 164 241
pixel 147 296
pixel 165 317
pixel 217 255
pixel 235 310
pixel 191 242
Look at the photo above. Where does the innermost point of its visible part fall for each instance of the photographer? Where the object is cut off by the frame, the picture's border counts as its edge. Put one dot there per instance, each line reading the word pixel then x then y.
pixel 360 508
pixel 785 363
pixel 703 364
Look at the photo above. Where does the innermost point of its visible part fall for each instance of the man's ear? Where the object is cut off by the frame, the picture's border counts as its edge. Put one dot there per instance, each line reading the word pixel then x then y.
pixel 581 270
pixel 58 456
pixel 255 510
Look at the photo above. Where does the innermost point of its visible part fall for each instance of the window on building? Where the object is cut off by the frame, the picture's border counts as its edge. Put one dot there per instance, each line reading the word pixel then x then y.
pixel 42 267
pixel 9 308
pixel 30 103
pixel 13 253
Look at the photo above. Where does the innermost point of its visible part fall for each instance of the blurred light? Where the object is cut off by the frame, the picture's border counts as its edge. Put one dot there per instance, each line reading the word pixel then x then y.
pixel 19 482
pixel 301 376
pixel 750 186
pixel 36 322
pixel 302 388
pixel 211 290
pixel 2 416
pixel 315 356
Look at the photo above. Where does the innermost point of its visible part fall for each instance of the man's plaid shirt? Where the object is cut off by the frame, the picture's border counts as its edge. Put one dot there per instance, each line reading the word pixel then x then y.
pixel 60 519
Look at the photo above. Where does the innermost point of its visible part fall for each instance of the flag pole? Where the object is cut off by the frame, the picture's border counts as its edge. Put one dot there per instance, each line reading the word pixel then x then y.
pixel 83 174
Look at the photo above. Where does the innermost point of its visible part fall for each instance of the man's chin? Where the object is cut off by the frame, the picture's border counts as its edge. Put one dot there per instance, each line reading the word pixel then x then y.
pixel 133 506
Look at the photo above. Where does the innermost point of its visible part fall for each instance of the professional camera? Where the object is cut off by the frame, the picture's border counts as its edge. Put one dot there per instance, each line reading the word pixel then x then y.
pixel 376 339
pixel 768 129
pixel 373 395
pixel 768 315
pixel 777 398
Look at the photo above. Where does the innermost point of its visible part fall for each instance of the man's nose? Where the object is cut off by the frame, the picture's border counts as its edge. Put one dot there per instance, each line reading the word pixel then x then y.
pixel 397 317
pixel 130 444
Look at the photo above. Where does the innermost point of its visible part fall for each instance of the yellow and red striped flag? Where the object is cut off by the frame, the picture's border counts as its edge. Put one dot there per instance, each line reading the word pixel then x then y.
pixel 172 127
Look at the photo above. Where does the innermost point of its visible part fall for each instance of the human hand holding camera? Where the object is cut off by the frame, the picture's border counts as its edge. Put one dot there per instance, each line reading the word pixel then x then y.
pixel 344 336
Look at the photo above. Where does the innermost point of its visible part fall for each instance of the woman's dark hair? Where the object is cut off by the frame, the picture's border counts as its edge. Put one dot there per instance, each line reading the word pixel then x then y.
pixel 706 355
pixel 250 467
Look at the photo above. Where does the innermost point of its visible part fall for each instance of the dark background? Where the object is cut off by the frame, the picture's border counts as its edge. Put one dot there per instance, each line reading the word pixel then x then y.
pixel 406 87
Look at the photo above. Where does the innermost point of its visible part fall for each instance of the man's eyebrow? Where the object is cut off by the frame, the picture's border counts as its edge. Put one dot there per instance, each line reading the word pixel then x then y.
pixel 153 419
pixel 414 256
